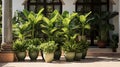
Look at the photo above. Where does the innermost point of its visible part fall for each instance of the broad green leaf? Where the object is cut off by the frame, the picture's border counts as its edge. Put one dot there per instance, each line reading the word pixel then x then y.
pixel 65 14
pixel 44 26
pixel 46 20
pixel 45 32
pixel 38 18
pixel 65 29
pixel 86 15
pixel 74 36
pixel 26 13
pixel 53 19
pixel 87 26
pixel 53 30
pixel 39 13
pixel 66 22
pixel 73 15
pixel 31 16
pixel 82 19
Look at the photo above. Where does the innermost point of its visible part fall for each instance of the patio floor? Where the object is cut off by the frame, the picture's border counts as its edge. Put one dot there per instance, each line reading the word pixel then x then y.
pixel 90 61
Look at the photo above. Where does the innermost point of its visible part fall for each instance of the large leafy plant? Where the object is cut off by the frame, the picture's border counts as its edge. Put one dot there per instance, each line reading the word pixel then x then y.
pixel 104 26
pixel 49 26
pixel 20 26
pixel 33 19
pixel 69 32
pixel 84 23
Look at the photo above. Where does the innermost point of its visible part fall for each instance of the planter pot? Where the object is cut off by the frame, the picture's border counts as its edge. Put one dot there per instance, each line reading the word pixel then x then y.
pixel 7 56
pixel 69 56
pixel 57 55
pixel 48 57
pixel 84 53
pixel 33 55
pixel 20 56
pixel 78 56
pixel 101 44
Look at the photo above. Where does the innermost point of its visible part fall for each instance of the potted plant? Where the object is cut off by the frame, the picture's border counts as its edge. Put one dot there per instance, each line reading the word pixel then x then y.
pixel 78 51
pixel 69 33
pixel 33 48
pixel 114 42
pixel 104 27
pixel 84 24
pixel 48 49
pixel 20 47
pixel 51 28
pixel 69 50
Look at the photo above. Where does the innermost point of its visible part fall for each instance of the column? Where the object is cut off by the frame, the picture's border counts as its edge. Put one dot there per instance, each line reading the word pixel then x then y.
pixel 118 50
pixel 6 44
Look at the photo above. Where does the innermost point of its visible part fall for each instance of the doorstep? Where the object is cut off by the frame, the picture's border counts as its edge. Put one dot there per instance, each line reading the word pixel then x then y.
pixel 101 52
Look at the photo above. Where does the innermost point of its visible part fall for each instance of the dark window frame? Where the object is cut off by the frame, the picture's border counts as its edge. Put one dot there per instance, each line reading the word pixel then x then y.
pixel 45 4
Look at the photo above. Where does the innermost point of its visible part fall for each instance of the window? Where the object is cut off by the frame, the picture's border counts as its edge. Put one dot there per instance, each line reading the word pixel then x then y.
pixel 48 5
pixel 92 5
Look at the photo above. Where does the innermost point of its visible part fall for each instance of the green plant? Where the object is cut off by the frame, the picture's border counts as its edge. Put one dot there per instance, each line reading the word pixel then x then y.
pixel 84 23
pixel 21 28
pixel 33 44
pixel 48 47
pixel 49 25
pixel 114 41
pixel 69 46
pixel 103 24
pixel 33 20
pixel 20 45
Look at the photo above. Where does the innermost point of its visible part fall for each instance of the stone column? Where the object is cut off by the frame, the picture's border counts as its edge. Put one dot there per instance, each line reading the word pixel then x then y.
pixel 6 25
pixel 118 50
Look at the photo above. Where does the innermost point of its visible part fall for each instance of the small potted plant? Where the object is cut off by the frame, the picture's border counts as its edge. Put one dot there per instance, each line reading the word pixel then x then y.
pixel 48 49
pixel 20 47
pixel 114 42
pixel 69 50
pixel 33 48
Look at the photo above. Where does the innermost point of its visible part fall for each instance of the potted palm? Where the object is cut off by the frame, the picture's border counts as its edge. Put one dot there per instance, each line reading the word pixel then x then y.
pixel 48 49
pixel 20 47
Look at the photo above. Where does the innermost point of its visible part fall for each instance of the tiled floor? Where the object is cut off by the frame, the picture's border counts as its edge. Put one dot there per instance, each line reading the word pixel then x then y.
pixel 88 62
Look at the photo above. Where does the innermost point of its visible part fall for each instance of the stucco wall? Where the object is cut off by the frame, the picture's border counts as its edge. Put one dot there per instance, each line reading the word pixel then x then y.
pixel 115 19
pixel 17 5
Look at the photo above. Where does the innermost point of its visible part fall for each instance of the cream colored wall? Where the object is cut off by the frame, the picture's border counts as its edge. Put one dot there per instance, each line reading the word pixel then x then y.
pixel 69 5
pixel 17 5
pixel 116 19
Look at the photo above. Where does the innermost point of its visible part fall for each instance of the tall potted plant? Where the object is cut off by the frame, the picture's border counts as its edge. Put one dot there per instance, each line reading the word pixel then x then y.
pixel 69 34
pixel 104 27
pixel 51 28
pixel 84 24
